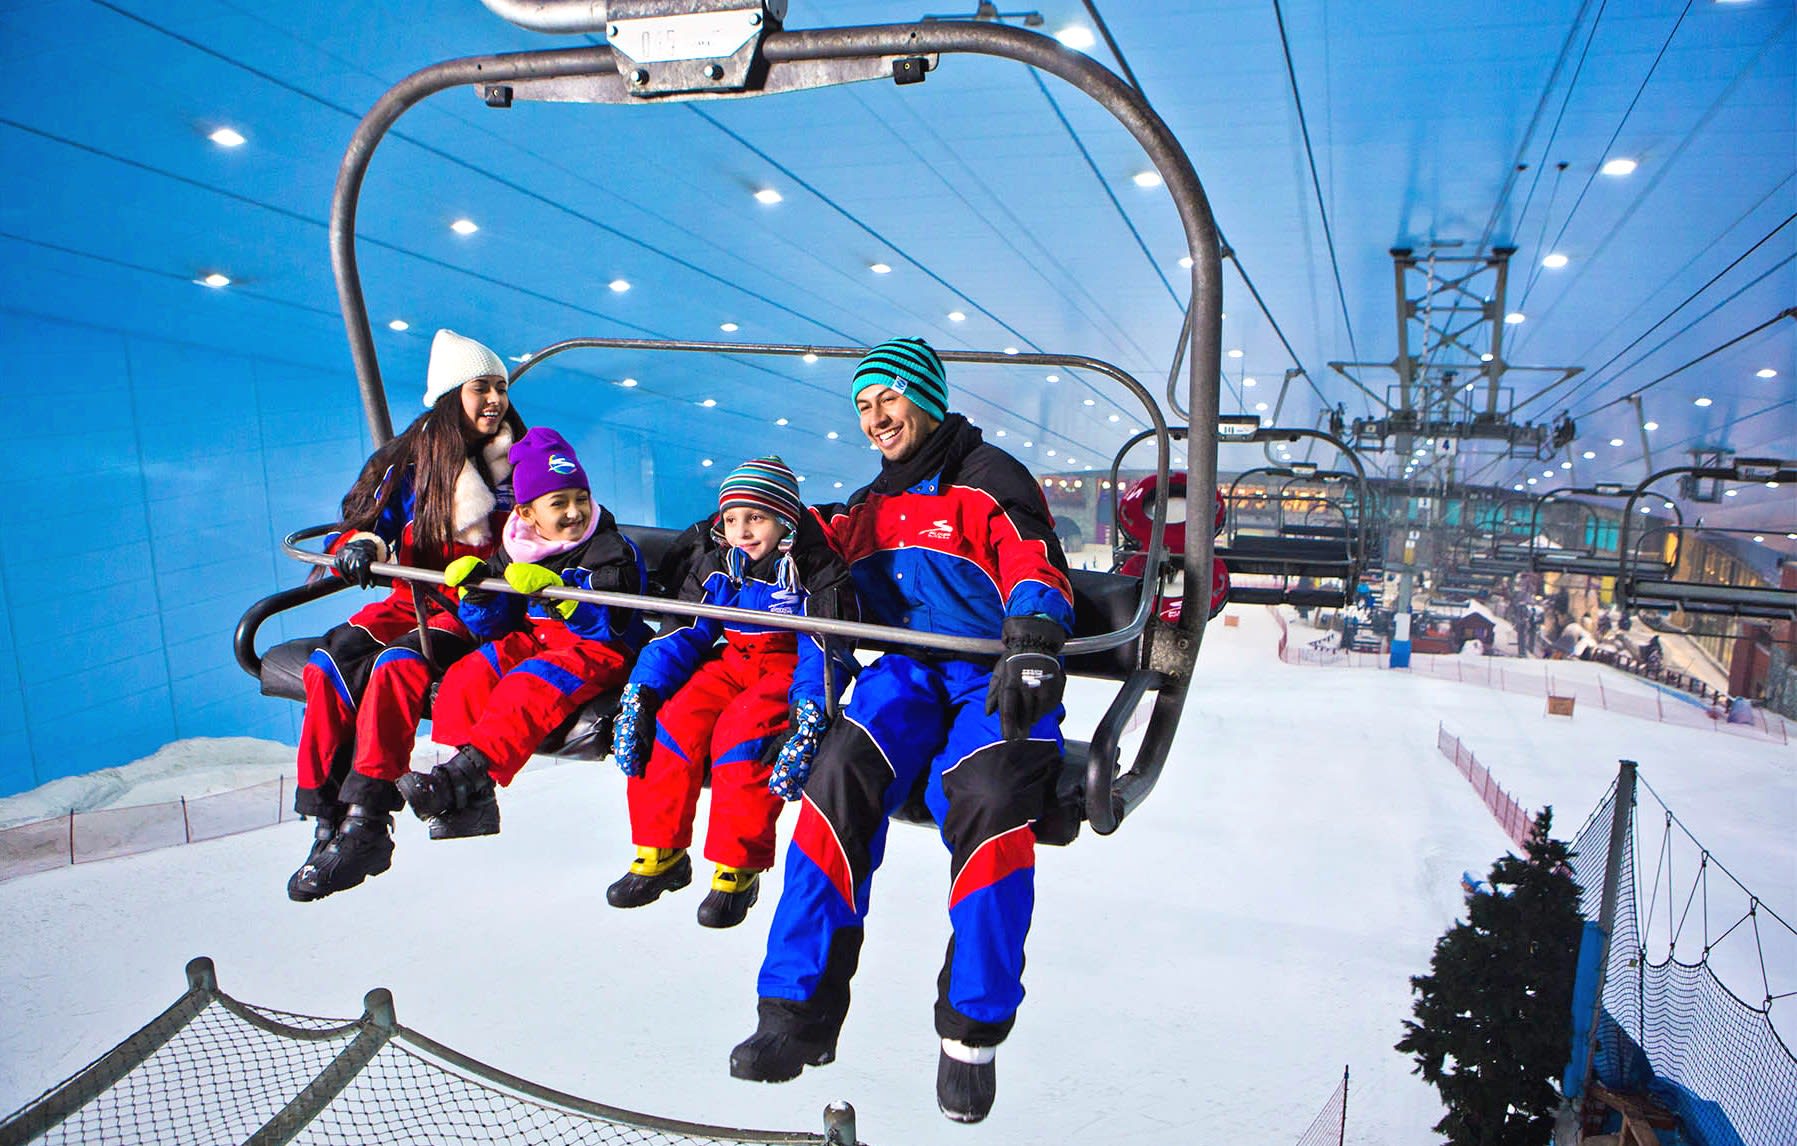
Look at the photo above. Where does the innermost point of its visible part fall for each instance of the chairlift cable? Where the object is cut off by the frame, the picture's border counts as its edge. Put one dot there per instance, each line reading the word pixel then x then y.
pixel 1591 178
pixel 1788 312
pixel 1591 378
pixel 1315 182
pixel 1560 118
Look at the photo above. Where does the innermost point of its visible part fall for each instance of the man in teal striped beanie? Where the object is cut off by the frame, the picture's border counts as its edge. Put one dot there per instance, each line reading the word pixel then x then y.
pixel 901 392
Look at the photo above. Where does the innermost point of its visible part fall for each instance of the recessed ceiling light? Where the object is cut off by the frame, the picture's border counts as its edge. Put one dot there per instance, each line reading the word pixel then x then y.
pixel 1619 167
pixel 709 403
pixel 1235 353
pixel 464 226
pixel 1759 537
pixel 216 280
pixel 1565 465
pixel 808 357
pixel 627 383
pixel 525 357
pixel 619 286
pixel 1647 509
pixel 956 316
pixel 1515 317
pixel 1486 357
pixel 1185 261
pixel 1091 402
pixel 728 327
pixel 1052 377
pixel 706 462
pixel 1114 418
pixel 801 477
pixel 1547 473
pixel 1731 493
pixel 1147 178
pixel 1076 36
pixel 1010 350
pixel 879 268
pixel 1768 372
pixel 1073 461
pixel 227 137
pixel 399 324
pixel 1028 445
pixel 1589 454
pixel 1615 441
pixel 1260 405
pixel 1051 453
pixel 836 485
pixel 999 433
pixel 768 195
pixel 832 435
pixel 1554 261
pixel 1532 481
pixel 1249 382
pixel 780 422
pixel 1650 425
pixel 1700 402
pixel 1771 485
pixel 1517 488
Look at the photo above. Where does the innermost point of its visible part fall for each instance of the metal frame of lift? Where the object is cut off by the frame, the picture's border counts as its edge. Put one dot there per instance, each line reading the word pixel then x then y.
pixel 1665 592
pixel 636 66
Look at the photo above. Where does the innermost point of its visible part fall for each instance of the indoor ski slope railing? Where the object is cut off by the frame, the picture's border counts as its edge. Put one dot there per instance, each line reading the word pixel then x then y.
pixel 213 1069
pixel 1689 949
pixel 1489 672
pixel 1506 809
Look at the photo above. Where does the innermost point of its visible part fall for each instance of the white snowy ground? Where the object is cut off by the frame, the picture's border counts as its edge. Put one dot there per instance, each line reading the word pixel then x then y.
pixel 1200 977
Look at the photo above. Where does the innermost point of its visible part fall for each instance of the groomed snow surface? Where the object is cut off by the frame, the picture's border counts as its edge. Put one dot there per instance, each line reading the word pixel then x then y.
pixel 1202 976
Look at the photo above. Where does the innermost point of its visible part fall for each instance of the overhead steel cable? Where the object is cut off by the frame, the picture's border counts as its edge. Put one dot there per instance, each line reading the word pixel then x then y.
pixel 1572 85
pixel 1789 312
pixel 1591 379
pixel 1111 43
pixel 1535 274
pixel 1316 182
pixel 467 165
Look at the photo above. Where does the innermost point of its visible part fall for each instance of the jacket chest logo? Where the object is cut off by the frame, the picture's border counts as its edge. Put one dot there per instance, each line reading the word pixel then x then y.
pixel 938 530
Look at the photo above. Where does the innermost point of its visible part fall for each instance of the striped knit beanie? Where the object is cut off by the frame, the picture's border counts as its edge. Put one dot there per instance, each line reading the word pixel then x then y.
pixel 766 484
pixel 909 366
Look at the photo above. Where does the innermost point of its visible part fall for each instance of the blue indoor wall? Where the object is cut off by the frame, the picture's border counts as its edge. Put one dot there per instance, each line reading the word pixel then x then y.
pixel 152 481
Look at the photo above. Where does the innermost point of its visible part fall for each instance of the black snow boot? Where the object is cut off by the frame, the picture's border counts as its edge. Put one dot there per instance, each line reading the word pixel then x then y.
pixel 362 846
pixel 456 797
pixel 777 1056
pixel 324 829
pixel 966 1081
pixel 733 891
pixel 653 871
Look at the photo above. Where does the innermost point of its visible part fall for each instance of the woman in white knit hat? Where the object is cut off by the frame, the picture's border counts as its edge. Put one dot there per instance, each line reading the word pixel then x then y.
pixel 438 491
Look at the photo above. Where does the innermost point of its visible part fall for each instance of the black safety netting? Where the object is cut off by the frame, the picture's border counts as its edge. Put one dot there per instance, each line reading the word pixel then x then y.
pixel 1669 1026
pixel 1329 1128
pixel 215 1070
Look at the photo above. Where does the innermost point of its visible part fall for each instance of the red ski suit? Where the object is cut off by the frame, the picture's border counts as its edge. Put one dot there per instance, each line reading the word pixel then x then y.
pixel 726 708
pixel 537 668
pixel 368 682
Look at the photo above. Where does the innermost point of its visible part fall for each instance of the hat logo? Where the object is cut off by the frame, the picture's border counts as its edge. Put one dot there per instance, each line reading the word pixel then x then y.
pixel 561 465
pixel 899 385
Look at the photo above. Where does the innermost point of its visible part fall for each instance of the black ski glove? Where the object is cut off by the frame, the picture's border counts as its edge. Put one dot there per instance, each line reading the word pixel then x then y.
pixel 353 562
pixel 1028 680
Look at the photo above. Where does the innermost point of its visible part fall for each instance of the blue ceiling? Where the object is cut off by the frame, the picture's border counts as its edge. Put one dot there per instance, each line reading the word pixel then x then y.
pixel 988 192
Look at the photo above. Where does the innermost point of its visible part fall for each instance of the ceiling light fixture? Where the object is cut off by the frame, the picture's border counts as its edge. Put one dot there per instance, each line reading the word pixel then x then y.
pixel 627 383
pixel 399 324
pixel 1076 36
pixel 1010 350
pixel 227 137
pixel 1249 382
pixel 956 316
pixel 1532 481
pixel 879 268
pixel 1185 261
pixel 706 462
pixel 832 435
pixel 1650 425
pixel 1565 465
pixel 1700 402
pixel 768 196
pixel 1619 167
pixel 1147 178
pixel 1235 353
pixel 1731 493
pixel 215 280
pixel 1615 441
pixel 1768 372
pixel 1090 402
pixel 1053 377
pixel 464 226
pixel 1555 261
pixel 1589 454
pixel 1517 488
pixel 619 286
pixel 1485 357
pixel 781 422
pixel 728 327
pixel 709 403
pixel 1515 317
pixel 808 357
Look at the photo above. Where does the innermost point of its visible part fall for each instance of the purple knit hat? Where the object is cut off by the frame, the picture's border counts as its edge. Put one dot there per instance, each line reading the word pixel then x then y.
pixel 543 462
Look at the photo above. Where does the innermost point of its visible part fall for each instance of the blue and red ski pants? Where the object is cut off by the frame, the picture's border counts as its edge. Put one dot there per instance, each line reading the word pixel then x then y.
pixel 910 721
pixel 726 715
pixel 364 699
pixel 518 689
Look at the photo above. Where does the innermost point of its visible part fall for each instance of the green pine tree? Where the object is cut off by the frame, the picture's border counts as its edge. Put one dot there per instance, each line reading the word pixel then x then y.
pixel 1493 1016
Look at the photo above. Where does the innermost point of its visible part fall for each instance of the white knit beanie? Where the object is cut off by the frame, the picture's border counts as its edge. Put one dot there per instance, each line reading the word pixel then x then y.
pixel 455 360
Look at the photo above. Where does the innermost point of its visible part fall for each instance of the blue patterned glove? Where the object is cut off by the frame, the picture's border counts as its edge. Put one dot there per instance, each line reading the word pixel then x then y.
pixel 633 729
pixel 793 766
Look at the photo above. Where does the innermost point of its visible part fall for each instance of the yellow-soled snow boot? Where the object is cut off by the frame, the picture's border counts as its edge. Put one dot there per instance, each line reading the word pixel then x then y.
pixel 653 871
pixel 733 891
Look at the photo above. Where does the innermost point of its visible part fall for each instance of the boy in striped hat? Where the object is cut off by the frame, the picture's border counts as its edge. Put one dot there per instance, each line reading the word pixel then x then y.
pixel 752 709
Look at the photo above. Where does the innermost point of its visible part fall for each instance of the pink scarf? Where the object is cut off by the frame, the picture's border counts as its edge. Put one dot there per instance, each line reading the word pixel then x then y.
pixel 523 542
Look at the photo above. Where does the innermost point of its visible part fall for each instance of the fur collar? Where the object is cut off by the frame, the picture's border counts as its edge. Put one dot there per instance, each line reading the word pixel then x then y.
pixel 475 500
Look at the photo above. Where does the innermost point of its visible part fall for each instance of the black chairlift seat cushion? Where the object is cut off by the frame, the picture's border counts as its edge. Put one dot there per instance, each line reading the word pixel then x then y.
pixel 1287 556
pixel 1714 600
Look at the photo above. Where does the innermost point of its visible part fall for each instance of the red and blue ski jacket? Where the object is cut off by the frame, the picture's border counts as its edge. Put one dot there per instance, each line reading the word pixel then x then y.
pixel 607 561
pixel 953 540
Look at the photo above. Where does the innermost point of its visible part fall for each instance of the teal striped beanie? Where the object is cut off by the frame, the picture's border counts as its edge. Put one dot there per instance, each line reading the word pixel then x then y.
pixel 909 366
pixel 766 484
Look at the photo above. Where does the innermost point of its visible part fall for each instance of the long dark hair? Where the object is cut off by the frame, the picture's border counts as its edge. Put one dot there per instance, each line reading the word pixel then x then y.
pixel 435 446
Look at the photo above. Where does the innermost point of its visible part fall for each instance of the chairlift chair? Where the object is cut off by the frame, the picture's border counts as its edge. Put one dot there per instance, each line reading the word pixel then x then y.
pixel 1657 586
pixel 1119 637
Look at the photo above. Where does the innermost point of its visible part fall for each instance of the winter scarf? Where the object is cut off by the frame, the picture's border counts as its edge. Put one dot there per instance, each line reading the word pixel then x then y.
pixel 523 542
pixel 475 500
pixel 941 452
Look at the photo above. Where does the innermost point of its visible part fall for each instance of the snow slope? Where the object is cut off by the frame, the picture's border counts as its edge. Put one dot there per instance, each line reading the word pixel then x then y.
pixel 1201 976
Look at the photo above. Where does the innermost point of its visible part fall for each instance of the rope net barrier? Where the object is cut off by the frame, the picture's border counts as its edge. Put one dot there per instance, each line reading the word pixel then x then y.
pixel 1330 1126
pixel 1670 1024
pixel 214 1069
